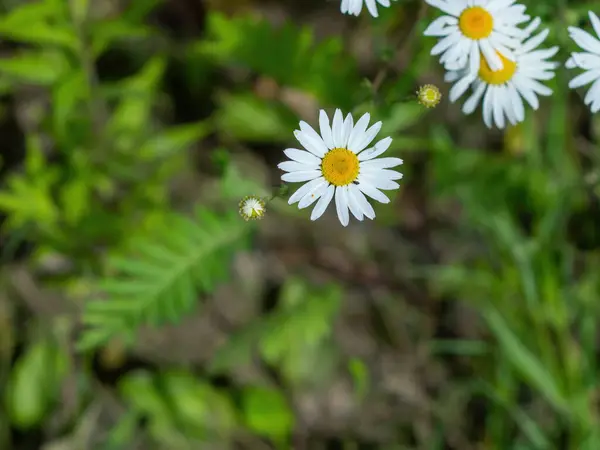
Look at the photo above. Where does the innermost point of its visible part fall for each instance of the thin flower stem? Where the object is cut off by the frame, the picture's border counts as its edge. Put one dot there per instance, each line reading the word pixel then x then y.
pixel 97 108
pixel 403 43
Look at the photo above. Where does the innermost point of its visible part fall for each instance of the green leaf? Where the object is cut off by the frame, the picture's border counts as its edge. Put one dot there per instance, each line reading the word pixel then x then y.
pixel 129 122
pixel 163 278
pixel 235 184
pixel 287 54
pixel 67 95
pixel 140 392
pixel 175 139
pixel 237 350
pixel 248 118
pixel 266 412
pixel 360 376
pixel 305 318
pixel 40 34
pixel 297 335
pixel 523 360
pixel 199 407
pixel 34 384
pixel 41 68
pixel 75 200
pixel 401 116
pixel 38 23
pixel 105 33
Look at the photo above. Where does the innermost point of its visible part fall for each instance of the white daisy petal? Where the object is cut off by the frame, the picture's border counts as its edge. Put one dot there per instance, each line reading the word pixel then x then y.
pixel 312 196
pixel 308 144
pixel 301 156
pixel 359 130
pixel 293 166
pixel 595 22
pixel 347 130
pixel 337 129
pixel 304 175
pixel 441 26
pixel 380 183
pixel 306 189
pixel 382 173
pixel 449 7
pixel 373 152
pixel 354 7
pixel 316 141
pixel 373 192
pixel 325 129
pixel 584 78
pixel 353 204
pixel 589 61
pixel 323 203
pixel 341 205
pixel 362 201
pixel 367 137
pixel 372 7
pixel 382 163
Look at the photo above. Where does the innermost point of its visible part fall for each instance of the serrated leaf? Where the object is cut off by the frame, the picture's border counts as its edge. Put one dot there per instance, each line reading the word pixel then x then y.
pixel 187 258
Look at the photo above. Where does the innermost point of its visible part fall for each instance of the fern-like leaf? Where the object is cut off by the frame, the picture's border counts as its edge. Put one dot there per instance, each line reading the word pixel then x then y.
pixel 161 282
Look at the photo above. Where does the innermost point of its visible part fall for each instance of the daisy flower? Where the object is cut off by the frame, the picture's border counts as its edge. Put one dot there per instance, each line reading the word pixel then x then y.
pixel 252 208
pixel 354 7
pixel 473 28
pixel 589 61
pixel 336 164
pixel 503 91
pixel 429 95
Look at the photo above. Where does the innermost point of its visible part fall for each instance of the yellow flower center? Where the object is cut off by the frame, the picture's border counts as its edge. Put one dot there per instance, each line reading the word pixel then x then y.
pixel 429 95
pixel 476 23
pixel 499 76
pixel 340 166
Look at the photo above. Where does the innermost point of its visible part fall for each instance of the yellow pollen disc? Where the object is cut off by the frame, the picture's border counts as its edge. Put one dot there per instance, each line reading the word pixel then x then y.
pixel 499 76
pixel 476 23
pixel 429 95
pixel 340 166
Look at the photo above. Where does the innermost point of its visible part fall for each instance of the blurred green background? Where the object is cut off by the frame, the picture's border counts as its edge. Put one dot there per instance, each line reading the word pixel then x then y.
pixel 139 311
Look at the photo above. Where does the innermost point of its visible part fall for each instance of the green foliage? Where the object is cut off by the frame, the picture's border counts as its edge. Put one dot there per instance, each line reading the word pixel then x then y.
pixel 162 279
pixel 251 119
pixel 294 337
pixel 35 383
pixel 127 125
pixel 288 54
pixel 267 413
pixel 180 409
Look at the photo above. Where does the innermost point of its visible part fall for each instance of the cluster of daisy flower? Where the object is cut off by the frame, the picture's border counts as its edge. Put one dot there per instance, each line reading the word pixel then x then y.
pixel 486 46
pixel 489 47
